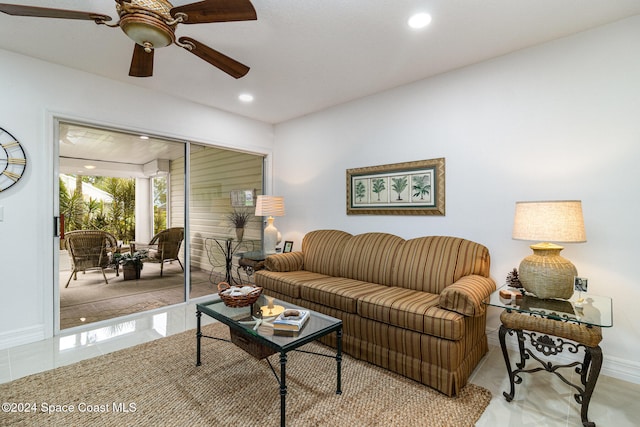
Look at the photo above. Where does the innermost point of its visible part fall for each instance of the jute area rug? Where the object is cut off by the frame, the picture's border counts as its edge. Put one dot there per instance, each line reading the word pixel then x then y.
pixel 158 384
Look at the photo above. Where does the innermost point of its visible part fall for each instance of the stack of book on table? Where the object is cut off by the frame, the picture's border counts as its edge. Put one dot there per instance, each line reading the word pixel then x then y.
pixel 290 322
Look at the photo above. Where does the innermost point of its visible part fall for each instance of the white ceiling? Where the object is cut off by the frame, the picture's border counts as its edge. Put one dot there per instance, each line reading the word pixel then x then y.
pixel 85 150
pixel 307 55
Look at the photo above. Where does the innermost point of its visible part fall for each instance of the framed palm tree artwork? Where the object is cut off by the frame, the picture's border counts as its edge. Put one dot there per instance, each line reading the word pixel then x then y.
pixel 410 188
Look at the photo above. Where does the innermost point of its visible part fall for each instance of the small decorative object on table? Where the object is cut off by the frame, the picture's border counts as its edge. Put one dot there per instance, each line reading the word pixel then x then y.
pixel 580 286
pixel 513 294
pixel 271 310
pixel 290 322
pixel 513 280
pixel 509 296
pixel 238 296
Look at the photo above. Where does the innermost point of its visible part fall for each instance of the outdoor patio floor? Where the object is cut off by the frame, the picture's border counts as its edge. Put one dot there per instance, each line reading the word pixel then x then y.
pixel 89 299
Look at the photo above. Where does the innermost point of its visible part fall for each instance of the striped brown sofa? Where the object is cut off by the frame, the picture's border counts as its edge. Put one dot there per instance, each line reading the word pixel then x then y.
pixel 411 306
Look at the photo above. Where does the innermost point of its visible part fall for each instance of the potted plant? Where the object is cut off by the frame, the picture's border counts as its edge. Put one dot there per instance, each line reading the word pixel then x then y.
pixel 131 264
pixel 239 219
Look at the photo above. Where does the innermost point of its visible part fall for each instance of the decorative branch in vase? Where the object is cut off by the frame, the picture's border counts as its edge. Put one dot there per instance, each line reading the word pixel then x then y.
pixel 239 219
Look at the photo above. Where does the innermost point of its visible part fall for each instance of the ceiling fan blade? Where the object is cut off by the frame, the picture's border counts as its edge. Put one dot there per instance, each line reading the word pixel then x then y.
pixel 217 11
pixel 141 62
pixel 45 12
pixel 215 58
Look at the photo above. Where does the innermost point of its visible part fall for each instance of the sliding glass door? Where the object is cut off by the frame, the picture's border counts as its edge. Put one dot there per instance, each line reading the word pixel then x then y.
pixel 136 213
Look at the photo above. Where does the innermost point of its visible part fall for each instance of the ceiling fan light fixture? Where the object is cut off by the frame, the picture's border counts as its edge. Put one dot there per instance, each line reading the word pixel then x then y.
pixel 151 24
pixel 147 31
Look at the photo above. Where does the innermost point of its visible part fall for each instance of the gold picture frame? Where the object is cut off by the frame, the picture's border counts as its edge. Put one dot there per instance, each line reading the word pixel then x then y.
pixel 410 188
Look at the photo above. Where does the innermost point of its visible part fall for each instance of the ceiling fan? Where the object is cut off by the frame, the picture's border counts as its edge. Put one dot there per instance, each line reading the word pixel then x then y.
pixel 152 24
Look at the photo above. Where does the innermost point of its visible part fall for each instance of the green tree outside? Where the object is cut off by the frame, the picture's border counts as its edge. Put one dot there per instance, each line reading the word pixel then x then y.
pixel 159 204
pixel 117 219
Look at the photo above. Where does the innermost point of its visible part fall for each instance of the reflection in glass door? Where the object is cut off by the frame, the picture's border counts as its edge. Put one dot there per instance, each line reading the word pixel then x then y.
pixel 222 183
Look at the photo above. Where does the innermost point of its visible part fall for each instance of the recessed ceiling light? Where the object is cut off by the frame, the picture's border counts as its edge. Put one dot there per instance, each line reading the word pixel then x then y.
pixel 245 97
pixel 419 20
pixel 89 167
pixel 144 137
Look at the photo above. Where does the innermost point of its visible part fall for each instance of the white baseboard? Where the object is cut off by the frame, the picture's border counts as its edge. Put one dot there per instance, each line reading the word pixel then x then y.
pixel 22 336
pixel 622 369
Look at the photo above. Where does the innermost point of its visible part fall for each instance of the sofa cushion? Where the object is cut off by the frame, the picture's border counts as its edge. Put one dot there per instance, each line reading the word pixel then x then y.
pixel 337 292
pixel 322 251
pixel 286 283
pixel 430 264
pixel 414 310
pixel 369 257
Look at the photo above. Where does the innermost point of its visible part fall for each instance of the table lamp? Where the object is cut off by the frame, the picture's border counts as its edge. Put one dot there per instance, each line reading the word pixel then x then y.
pixel 545 273
pixel 270 206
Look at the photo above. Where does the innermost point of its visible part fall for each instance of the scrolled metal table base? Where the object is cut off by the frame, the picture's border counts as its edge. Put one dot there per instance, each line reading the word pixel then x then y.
pixel 588 369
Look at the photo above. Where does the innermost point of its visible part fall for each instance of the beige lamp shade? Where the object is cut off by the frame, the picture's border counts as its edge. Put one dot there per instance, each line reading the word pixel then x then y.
pixel 270 206
pixel 545 273
pixel 550 221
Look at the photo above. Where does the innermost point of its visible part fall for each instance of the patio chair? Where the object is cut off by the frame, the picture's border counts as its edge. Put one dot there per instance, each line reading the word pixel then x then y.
pixel 165 246
pixel 90 249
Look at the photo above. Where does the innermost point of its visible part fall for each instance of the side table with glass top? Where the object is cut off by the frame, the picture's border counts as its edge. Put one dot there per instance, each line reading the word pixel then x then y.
pixel 221 250
pixel 250 262
pixel 549 326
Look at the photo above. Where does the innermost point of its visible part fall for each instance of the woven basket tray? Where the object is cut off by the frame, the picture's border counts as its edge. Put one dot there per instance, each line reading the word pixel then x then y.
pixel 257 350
pixel 240 300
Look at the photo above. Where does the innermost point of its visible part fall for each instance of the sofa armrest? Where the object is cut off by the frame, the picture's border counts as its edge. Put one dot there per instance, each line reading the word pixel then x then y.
pixel 291 261
pixel 466 296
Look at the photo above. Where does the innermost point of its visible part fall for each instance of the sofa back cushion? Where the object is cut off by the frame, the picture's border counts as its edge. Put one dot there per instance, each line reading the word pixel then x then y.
pixel 432 263
pixel 368 257
pixel 322 251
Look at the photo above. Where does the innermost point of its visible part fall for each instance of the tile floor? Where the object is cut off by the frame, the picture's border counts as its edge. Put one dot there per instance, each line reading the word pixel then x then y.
pixel 541 400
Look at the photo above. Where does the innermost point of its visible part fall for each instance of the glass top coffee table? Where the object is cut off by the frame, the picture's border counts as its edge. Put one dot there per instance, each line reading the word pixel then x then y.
pixel 248 333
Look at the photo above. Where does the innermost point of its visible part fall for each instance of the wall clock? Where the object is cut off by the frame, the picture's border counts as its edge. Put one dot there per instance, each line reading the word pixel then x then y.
pixel 13 161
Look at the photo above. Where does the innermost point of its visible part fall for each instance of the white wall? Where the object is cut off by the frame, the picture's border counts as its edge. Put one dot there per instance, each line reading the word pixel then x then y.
pixel 558 121
pixel 32 92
